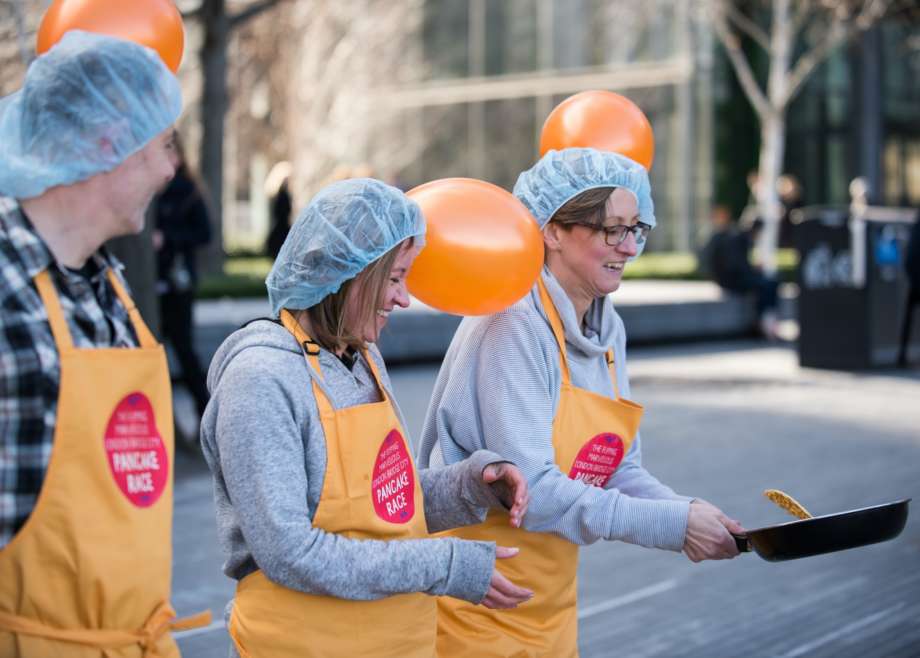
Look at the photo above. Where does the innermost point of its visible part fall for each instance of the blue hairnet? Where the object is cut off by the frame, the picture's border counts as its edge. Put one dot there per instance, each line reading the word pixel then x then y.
pixel 560 176
pixel 347 226
pixel 86 105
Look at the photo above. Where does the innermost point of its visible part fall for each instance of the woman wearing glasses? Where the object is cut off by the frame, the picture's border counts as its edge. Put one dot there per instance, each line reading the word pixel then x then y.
pixel 544 383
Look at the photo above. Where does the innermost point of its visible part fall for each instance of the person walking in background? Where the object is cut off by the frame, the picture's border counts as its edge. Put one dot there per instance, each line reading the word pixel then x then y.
pixel 726 259
pixel 750 214
pixel 790 197
pixel 277 189
pixel 789 191
pixel 181 227
pixel 545 383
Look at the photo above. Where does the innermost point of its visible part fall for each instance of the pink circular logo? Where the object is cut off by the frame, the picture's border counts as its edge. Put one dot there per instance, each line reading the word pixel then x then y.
pixel 393 484
pixel 598 459
pixel 135 450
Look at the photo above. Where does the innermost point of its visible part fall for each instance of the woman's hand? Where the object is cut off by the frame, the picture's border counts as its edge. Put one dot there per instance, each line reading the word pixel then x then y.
pixel 709 533
pixel 510 485
pixel 504 594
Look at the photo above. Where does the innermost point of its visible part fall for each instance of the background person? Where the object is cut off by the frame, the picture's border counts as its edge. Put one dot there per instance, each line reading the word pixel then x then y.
pixel 726 259
pixel 789 191
pixel 182 226
pixel 544 383
pixel 312 474
pixel 280 206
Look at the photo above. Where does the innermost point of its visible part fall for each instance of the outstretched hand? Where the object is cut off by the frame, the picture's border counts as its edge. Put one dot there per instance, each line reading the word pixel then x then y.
pixel 504 594
pixel 510 485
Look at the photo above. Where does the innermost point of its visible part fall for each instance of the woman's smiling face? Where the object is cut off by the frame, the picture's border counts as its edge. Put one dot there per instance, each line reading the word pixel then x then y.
pixel 584 258
pixel 395 293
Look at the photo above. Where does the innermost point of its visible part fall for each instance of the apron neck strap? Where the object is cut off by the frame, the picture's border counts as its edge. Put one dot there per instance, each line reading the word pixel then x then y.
pixel 309 346
pixel 556 323
pixel 612 366
pixel 376 371
pixel 59 328
pixel 144 336
pixel 559 332
pixel 311 350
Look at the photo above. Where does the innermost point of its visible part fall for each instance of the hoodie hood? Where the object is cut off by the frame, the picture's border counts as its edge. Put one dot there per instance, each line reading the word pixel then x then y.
pixel 259 333
pixel 601 326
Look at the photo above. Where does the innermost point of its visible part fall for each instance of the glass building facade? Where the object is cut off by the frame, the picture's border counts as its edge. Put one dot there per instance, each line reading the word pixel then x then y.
pixel 496 68
pixel 859 115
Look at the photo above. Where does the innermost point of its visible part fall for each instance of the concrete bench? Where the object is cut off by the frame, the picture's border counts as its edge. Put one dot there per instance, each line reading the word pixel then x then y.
pixel 657 311
pixel 653 311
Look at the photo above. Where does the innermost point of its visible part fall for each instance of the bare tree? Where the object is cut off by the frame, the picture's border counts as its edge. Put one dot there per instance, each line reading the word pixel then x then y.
pixel 19 21
pixel 19 15
pixel 349 62
pixel 778 27
pixel 218 23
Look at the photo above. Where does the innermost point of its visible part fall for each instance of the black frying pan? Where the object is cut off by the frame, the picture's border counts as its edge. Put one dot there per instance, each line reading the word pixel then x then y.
pixel 826 534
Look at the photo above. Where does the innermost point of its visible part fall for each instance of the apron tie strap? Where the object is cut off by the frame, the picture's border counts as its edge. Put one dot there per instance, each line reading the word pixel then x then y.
pixel 162 620
pixel 199 620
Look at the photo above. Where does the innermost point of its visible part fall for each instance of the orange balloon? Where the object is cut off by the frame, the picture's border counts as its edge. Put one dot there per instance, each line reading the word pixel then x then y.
pixel 153 23
pixel 483 250
pixel 602 120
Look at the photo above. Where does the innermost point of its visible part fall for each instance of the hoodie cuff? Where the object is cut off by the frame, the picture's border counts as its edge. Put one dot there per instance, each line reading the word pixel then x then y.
pixel 471 567
pixel 475 490
pixel 650 523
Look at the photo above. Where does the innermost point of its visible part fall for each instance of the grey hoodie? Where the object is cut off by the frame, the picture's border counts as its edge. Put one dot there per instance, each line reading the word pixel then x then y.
pixel 499 388
pixel 265 446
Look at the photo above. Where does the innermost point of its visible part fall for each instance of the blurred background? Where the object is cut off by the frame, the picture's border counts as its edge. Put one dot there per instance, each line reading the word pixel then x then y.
pixel 767 114
pixel 413 90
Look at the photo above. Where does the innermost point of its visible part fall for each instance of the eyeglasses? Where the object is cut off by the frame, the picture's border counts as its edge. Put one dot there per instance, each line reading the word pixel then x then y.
pixel 616 235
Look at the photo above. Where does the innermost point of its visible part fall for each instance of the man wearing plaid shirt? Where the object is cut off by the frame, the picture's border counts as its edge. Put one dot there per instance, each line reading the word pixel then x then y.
pixel 65 189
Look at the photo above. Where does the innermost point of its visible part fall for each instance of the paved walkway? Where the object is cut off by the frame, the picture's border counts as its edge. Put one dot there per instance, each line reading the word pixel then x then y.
pixel 723 421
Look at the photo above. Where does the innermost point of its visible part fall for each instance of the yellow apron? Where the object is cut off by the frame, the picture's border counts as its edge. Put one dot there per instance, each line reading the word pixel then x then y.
pixel 88 575
pixel 591 435
pixel 370 491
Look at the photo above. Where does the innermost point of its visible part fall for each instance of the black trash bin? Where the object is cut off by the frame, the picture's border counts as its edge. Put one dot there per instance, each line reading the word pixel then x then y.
pixel 852 286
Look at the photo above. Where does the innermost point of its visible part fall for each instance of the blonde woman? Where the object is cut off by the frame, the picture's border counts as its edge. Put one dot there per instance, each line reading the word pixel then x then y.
pixel 321 512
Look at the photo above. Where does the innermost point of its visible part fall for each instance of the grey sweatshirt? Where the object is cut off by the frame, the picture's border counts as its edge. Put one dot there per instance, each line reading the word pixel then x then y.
pixel 498 388
pixel 264 443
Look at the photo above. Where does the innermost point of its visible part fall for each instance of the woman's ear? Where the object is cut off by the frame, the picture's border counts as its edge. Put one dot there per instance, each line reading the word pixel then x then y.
pixel 551 234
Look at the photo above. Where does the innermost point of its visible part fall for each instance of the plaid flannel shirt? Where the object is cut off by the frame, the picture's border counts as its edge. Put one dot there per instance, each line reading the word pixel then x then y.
pixel 30 368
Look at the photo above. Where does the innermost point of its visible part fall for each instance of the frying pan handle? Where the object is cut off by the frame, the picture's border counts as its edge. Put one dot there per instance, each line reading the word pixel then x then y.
pixel 743 543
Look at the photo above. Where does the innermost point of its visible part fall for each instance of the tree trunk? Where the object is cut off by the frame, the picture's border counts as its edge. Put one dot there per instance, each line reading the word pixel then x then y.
pixel 213 56
pixel 25 53
pixel 772 145
pixel 773 134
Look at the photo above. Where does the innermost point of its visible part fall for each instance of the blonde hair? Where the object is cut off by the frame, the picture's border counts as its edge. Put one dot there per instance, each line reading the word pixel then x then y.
pixel 334 323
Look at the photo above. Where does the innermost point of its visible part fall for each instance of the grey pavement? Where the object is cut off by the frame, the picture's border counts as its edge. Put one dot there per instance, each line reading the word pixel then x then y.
pixel 724 421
